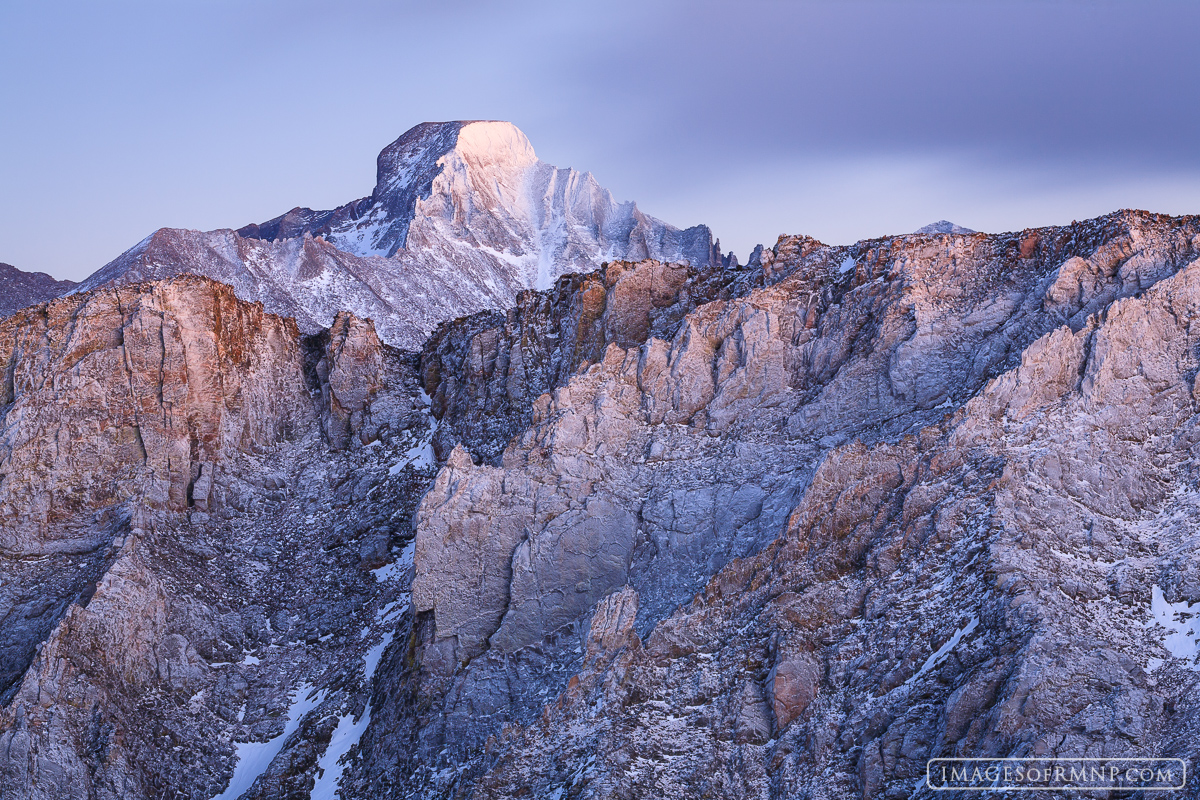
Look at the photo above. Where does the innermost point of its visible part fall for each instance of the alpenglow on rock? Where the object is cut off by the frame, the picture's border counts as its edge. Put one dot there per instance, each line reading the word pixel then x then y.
pixel 463 217
pixel 784 530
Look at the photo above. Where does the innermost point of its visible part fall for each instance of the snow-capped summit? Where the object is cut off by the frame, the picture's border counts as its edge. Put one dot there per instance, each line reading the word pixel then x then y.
pixel 481 183
pixel 944 226
pixel 463 216
pixel 377 225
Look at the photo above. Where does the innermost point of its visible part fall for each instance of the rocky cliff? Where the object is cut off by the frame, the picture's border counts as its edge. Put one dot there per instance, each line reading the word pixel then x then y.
pixel 782 530
pixel 891 505
pixel 168 452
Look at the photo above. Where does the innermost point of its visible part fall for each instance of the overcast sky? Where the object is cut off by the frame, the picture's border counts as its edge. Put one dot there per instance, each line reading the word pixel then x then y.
pixel 842 120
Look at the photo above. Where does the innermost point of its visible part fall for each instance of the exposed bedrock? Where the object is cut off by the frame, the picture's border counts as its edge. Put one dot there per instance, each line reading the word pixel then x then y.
pixel 185 537
pixel 898 475
pixel 782 530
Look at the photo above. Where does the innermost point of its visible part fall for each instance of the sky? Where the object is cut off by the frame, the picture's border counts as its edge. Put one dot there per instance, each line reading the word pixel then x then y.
pixel 840 119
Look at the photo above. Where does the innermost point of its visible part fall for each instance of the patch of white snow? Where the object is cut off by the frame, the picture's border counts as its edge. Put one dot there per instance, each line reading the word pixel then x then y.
pixel 943 651
pixel 347 733
pixel 395 569
pixel 1181 638
pixel 253 758
pixel 420 455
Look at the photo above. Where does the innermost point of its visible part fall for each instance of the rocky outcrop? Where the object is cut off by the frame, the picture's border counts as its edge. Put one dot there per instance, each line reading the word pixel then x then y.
pixel 484 372
pixel 140 392
pixel 967 590
pixel 184 533
pixel 783 530
pixel 350 370
pixel 830 464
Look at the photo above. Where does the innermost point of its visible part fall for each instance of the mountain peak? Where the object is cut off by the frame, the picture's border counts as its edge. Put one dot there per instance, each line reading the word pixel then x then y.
pixel 19 288
pixel 944 226
pixel 463 216
pixel 407 167
pixel 480 183
pixel 421 147
pixel 496 153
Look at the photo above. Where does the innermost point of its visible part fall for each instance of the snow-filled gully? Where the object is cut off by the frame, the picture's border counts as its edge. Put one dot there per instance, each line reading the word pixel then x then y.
pixel 253 758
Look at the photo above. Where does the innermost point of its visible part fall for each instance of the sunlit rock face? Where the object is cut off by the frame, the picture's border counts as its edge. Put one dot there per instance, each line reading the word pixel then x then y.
pixel 831 525
pixel 661 529
pixel 185 532
pixel 463 217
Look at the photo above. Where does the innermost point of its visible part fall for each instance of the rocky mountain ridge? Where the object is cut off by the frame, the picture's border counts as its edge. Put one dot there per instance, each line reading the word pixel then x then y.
pixel 944 226
pixel 19 289
pixel 781 530
pixel 462 218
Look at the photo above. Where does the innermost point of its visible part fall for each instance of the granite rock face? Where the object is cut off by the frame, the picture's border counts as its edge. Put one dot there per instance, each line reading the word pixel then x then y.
pixel 484 372
pixel 910 508
pixel 139 391
pixel 182 486
pixel 782 530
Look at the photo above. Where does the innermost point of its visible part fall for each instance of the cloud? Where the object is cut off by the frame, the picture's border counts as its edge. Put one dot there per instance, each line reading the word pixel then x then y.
pixel 757 117
pixel 842 200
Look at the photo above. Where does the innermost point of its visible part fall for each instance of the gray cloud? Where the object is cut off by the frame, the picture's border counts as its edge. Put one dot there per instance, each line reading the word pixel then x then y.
pixel 841 119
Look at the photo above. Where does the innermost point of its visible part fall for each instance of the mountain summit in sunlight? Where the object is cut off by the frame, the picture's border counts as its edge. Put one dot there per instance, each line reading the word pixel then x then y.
pixel 463 217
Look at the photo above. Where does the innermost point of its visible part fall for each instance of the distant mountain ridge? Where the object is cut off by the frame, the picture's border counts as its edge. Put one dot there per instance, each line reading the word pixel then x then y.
pixel 462 218
pixel 19 289
pixel 944 226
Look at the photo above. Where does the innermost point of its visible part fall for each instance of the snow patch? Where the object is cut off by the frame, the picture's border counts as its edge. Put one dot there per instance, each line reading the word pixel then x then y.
pixel 253 758
pixel 397 568
pixel 1178 619
pixel 347 733
pixel 392 611
pixel 940 654
pixel 420 455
